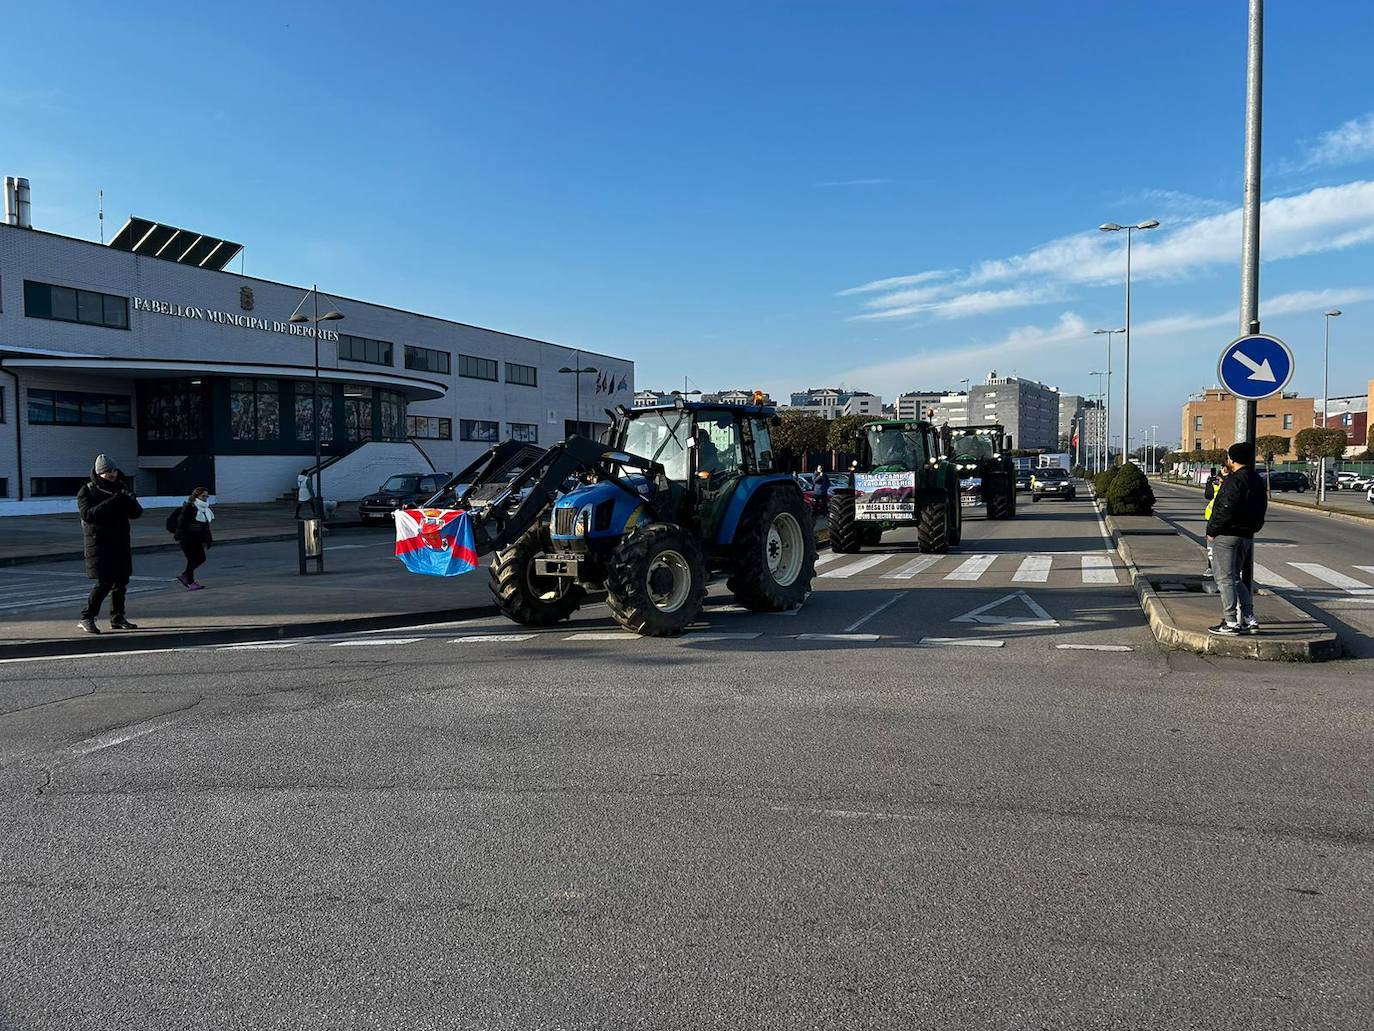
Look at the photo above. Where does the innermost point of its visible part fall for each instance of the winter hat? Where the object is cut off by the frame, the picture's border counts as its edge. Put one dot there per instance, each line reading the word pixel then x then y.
pixel 105 464
pixel 1242 452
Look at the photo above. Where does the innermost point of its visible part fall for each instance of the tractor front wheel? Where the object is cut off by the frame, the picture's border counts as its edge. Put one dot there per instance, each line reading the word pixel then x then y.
pixel 844 532
pixel 775 554
pixel 528 599
pixel 657 581
pixel 870 535
pixel 932 530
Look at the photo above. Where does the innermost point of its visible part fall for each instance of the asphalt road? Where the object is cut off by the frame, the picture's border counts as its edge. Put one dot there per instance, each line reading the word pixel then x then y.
pixel 776 821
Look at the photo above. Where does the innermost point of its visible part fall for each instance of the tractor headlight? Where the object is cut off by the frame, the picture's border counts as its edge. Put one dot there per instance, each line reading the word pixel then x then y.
pixel 584 521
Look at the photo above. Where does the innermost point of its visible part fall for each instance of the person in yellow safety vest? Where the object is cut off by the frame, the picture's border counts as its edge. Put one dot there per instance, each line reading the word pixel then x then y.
pixel 1210 493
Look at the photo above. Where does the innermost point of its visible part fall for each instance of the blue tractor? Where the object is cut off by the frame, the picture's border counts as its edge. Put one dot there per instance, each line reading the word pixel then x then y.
pixel 678 493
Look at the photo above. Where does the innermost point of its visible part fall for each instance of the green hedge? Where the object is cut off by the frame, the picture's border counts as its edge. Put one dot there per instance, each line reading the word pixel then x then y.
pixel 1103 480
pixel 1129 493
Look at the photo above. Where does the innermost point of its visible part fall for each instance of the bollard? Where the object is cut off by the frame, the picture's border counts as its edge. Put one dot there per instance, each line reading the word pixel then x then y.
pixel 310 544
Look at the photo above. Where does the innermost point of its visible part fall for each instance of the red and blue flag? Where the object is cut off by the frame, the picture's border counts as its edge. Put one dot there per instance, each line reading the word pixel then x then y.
pixel 435 541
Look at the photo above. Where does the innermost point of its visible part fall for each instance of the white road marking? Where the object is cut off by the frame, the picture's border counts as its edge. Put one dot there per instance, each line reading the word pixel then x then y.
pixel 982 614
pixel 828 557
pixel 26 571
pixel 374 641
pixel 857 566
pixel 1094 647
pixel 1272 579
pixel 838 637
pixel 972 568
pixel 495 638
pixel 40 596
pixel 1102 528
pixel 603 635
pixel 909 570
pixel 1330 576
pixel 887 604
pixel 256 647
pixel 961 642
pixel 1033 569
pixel 1367 569
pixel 691 638
pixel 1098 569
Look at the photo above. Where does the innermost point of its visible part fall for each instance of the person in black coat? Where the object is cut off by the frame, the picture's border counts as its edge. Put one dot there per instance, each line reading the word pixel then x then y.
pixel 193 534
pixel 107 504
pixel 1238 511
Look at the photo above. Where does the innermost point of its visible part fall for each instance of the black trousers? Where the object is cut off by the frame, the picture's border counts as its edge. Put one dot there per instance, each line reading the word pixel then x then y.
pixel 115 589
pixel 195 557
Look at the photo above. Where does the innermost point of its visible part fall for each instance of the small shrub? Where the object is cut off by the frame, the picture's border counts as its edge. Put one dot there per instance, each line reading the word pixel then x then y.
pixel 1103 480
pixel 1129 493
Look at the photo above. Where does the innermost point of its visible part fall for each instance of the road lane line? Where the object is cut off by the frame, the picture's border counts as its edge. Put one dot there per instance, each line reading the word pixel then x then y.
pixel 1330 576
pixel 961 642
pixel 256 647
pixel 972 568
pixel 1034 569
pixel 1098 569
pixel 1269 578
pixel 858 566
pixel 1367 569
pixel 495 638
pixel 910 570
pixel 118 737
pixel 691 638
pixel 828 557
pixel 867 638
pixel 374 641
pixel 603 635
pixel 887 604
pixel 1094 647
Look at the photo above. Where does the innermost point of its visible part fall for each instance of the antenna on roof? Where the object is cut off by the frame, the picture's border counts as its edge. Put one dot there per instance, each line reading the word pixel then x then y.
pixel 101 215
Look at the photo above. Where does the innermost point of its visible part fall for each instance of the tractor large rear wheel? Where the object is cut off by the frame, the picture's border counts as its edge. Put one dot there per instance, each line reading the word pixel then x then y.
pixel 932 529
pixel 528 599
pixel 844 531
pixel 657 581
pixel 775 554
pixel 1001 502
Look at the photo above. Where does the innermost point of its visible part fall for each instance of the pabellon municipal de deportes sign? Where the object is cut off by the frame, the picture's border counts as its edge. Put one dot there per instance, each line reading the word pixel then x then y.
pixel 229 318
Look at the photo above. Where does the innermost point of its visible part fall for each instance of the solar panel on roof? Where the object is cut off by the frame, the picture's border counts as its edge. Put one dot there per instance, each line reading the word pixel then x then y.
pixel 154 239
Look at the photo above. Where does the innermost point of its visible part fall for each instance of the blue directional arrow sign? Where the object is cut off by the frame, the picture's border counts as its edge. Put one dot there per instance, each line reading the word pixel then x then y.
pixel 1255 366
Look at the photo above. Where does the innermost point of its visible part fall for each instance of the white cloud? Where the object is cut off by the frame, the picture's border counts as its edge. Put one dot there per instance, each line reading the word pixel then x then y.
pixel 1328 218
pixel 1348 143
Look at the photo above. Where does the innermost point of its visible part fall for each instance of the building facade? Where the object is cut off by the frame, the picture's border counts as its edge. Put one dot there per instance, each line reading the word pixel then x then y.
pixel 1027 410
pixel 1070 414
pixel 827 402
pixel 1209 419
pixel 862 403
pixel 1350 414
pixel 918 404
pixel 193 376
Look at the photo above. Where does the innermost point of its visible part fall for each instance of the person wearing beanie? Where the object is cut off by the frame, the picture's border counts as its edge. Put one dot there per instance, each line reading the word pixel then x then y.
pixel 1238 511
pixel 107 504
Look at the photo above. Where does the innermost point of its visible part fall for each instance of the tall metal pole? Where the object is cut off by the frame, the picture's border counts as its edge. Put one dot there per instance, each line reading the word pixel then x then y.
pixel 577 376
pixel 315 414
pixel 1126 385
pixel 1326 390
pixel 1250 217
pixel 1107 409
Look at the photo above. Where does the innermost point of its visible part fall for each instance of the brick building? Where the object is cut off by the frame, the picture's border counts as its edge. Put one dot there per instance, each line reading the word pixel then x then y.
pixel 1209 418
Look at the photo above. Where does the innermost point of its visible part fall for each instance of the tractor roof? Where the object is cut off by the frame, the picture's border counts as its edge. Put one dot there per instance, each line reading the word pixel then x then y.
pixel 991 427
pixel 705 406
pixel 909 423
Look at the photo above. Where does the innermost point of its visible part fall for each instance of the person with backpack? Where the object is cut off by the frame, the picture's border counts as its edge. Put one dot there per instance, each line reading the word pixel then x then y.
pixel 190 525
pixel 107 504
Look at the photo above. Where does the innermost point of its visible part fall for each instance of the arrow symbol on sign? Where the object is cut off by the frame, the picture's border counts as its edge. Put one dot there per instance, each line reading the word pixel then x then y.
pixel 1258 370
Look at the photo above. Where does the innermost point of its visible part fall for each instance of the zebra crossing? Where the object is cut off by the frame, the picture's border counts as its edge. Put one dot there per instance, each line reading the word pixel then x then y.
pixel 1095 568
pixel 1328 581
pixel 29 589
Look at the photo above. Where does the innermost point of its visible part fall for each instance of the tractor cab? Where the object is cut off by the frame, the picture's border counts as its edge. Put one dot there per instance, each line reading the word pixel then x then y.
pixel 987 476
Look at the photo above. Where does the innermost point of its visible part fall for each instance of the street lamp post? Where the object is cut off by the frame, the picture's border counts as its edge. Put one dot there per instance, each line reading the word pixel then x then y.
pixel 1153 464
pixel 1112 227
pixel 577 372
pixel 1326 390
pixel 299 317
pixel 1100 457
pixel 1107 394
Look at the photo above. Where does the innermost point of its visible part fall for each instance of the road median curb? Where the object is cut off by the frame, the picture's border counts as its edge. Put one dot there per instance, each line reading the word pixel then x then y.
pixel 1315 646
pixel 153 640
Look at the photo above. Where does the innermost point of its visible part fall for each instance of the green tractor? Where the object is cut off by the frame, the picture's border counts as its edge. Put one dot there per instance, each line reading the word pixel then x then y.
pixel 987 475
pixel 899 479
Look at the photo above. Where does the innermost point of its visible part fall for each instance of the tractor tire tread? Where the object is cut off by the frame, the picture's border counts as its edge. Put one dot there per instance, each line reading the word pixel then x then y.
pixel 751 583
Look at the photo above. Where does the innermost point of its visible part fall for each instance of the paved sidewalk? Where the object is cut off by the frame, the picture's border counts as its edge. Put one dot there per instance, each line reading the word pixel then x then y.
pixel 40 538
pixel 254 592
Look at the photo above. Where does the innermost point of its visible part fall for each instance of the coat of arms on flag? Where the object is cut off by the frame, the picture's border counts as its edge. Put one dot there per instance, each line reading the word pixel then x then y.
pixel 435 541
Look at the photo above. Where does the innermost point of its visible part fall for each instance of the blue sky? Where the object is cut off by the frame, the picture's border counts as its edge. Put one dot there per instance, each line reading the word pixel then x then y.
pixel 720 190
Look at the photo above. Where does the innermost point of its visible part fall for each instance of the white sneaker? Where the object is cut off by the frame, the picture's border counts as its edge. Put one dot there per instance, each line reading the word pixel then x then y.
pixel 1251 625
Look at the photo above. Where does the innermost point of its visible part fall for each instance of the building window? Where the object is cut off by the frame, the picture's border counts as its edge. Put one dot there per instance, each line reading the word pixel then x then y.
pixel 429 427
pixel 67 304
pixel 1197 424
pixel 590 430
pixel 479 430
pixel 254 409
pixel 171 410
pixel 477 368
pixel 56 486
pixel 364 349
pixel 69 408
pixel 4 486
pixel 1288 422
pixel 425 359
pixel 392 407
pixel 1197 444
pixel 525 432
pixel 357 412
pixel 305 401
pixel 524 375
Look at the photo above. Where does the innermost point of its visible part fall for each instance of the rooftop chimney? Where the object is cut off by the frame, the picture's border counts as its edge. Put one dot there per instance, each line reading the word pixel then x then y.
pixel 18 208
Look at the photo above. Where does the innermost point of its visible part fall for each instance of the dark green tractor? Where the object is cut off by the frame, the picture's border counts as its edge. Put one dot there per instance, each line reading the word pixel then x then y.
pixel 987 475
pixel 899 479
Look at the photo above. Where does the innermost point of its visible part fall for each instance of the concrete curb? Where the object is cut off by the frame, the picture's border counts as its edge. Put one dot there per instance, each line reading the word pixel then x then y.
pixel 138 640
pixel 1314 648
pixel 1330 513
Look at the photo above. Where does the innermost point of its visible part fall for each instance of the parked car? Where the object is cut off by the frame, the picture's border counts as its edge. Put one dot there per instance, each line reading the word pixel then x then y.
pixel 1286 480
pixel 1363 481
pixel 1347 480
pixel 1052 482
pixel 404 490
pixel 1023 481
